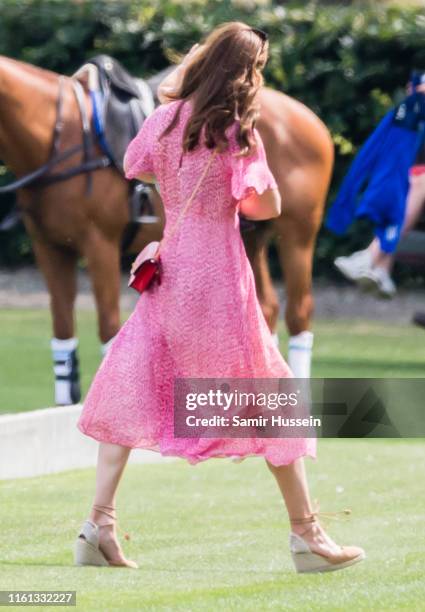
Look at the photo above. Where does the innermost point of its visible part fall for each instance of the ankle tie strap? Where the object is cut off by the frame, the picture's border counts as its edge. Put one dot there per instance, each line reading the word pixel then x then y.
pixel 100 507
pixel 314 516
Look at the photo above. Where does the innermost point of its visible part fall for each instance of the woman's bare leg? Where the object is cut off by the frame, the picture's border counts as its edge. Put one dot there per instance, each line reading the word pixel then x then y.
pixel 292 482
pixel 112 460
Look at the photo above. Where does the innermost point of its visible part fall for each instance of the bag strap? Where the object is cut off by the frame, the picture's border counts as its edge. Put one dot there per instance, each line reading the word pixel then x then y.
pixel 190 200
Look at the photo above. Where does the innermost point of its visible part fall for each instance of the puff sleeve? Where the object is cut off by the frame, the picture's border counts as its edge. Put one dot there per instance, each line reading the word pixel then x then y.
pixel 138 157
pixel 250 173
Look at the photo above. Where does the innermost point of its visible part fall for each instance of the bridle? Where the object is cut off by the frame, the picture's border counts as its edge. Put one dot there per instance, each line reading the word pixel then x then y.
pixel 43 176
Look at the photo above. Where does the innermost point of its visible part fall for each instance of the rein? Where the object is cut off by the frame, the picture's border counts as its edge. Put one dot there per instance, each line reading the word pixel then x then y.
pixel 42 176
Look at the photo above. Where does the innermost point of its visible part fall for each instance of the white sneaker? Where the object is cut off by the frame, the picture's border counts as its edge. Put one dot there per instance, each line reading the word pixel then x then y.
pixel 358 268
pixel 354 266
pixel 380 281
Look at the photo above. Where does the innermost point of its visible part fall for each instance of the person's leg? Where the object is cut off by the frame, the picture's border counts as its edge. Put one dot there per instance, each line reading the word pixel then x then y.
pixel 415 202
pixel 292 482
pixel 414 205
pixel 380 258
pixel 112 460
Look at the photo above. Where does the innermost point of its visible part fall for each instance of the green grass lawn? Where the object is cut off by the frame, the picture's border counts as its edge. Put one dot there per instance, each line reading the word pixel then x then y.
pixel 347 349
pixel 214 536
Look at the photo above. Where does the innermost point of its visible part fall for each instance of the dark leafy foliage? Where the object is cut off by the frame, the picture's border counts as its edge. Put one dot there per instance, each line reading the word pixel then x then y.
pixel 349 63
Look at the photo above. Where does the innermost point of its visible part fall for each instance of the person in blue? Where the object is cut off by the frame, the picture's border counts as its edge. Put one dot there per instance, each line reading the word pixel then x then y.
pixel 386 184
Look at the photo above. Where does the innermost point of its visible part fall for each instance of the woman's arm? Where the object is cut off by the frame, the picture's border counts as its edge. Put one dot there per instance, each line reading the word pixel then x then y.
pixel 170 84
pixel 146 178
pixel 173 81
pixel 253 185
pixel 260 207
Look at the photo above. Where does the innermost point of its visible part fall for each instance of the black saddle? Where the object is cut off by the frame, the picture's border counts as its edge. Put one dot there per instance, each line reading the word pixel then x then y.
pixel 120 104
pixel 119 107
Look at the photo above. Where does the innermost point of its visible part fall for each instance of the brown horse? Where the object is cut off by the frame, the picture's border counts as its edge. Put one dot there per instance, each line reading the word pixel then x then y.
pixel 65 223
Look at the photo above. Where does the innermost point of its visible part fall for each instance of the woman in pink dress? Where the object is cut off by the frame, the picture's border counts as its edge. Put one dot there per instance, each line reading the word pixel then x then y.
pixel 204 319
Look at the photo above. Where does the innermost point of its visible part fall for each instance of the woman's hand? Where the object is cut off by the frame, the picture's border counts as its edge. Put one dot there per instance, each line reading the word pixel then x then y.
pixel 149 252
pixel 189 56
pixel 134 267
pixel 173 81
pixel 136 263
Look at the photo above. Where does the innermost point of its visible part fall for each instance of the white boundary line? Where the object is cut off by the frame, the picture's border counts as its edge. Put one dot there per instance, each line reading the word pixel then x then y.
pixel 47 441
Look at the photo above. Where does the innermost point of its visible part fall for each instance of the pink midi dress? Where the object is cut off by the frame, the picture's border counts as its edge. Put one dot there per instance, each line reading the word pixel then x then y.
pixel 204 320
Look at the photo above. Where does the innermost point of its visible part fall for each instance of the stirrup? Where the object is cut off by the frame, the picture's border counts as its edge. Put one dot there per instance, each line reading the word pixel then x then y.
pixel 99 507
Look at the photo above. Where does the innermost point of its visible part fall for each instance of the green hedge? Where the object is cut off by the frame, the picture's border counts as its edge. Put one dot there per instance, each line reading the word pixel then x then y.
pixel 348 63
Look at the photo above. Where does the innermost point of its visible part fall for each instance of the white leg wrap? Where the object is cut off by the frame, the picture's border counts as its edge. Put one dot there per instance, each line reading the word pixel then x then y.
pixel 70 344
pixel 106 345
pixel 299 354
pixel 63 393
pixel 63 353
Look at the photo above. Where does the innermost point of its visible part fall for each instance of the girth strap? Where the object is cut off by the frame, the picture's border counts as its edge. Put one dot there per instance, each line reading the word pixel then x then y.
pixel 87 135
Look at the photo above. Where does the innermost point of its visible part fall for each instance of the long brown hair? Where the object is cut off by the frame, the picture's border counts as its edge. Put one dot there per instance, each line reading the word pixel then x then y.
pixel 222 81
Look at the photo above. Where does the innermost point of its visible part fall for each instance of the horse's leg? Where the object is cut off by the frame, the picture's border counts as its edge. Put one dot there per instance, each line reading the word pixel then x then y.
pixel 256 246
pixel 58 266
pixel 295 244
pixel 103 261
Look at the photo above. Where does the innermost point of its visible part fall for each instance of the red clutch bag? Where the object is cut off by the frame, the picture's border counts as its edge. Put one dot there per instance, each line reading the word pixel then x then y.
pixel 146 268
